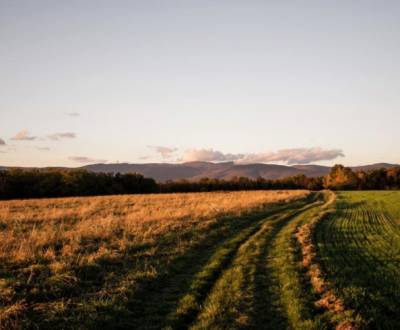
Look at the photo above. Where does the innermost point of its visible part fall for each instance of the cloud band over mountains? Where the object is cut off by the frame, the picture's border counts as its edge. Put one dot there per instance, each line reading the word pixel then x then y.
pixel 289 156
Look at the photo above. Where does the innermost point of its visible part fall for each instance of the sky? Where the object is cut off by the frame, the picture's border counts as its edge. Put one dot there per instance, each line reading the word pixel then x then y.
pixel 172 81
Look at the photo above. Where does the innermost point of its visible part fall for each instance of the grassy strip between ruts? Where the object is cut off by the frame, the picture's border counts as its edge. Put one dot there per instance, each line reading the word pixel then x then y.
pixel 289 284
pixel 341 317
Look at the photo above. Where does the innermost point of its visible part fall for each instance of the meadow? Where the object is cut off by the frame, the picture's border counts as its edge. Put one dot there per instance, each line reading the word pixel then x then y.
pixel 77 262
pixel 222 260
pixel 359 246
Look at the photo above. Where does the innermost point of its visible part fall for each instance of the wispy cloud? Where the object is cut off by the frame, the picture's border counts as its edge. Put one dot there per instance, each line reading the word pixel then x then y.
pixel 23 135
pixel 43 148
pixel 2 142
pixel 86 160
pixel 165 152
pixel 73 114
pixel 62 135
pixel 289 156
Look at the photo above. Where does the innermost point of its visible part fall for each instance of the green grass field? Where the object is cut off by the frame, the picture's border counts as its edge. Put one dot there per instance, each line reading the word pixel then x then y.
pixel 231 270
pixel 359 247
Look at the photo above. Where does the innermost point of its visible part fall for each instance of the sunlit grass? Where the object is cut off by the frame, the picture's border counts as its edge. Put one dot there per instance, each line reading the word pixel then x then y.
pixel 359 246
pixel 85 261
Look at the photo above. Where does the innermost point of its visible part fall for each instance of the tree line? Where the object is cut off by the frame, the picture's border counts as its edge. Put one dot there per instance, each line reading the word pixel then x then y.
pixel 339 178
pixel 343 178
pixel 18 183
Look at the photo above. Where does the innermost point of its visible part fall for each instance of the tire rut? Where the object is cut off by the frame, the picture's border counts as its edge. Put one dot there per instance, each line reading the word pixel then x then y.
pixel 191 303
pixel 270 314
pixel 264 312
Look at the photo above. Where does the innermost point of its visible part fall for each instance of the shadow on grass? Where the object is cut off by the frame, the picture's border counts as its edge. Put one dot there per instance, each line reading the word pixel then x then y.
pixel 357 260
pixel 151 305
pixel 72 300
pixel 267 312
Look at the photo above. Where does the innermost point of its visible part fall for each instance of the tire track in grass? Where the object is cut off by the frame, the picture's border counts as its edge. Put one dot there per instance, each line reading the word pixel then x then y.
pixel 229 303
pixel 193 271
pixel 207 282
pixel 234 301
pixel 287 291
pixel 256 292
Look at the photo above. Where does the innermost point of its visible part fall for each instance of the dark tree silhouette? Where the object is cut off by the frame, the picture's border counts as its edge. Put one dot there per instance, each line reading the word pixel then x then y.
pixel 18 183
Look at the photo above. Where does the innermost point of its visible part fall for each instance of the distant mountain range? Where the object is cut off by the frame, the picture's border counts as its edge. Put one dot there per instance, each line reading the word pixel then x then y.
pixel 162 172
pixel 196 170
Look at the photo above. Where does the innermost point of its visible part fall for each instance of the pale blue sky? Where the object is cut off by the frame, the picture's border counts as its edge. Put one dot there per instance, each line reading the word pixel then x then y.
pixel 240 77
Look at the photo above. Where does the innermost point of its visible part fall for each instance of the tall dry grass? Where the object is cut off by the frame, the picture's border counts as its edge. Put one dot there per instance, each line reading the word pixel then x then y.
pixel 47 245
pixel 37 228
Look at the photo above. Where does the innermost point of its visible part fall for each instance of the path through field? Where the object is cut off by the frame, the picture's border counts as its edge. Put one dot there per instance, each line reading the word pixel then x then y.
pixel 250 280
pixel 255 278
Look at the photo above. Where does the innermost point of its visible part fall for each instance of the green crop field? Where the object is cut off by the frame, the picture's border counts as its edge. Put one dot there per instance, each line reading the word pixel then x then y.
pixel 359 247
pixel 243 260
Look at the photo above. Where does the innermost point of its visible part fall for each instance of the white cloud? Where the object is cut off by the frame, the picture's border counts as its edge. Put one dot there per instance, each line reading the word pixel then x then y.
pixel 62 135
pixel 165 152
pixel 73 114
pixel 43 148
pixel 289 156
pixel 86 160
pixel 23 135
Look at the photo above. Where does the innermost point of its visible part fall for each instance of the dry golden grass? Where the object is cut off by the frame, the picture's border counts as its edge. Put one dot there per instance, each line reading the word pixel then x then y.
pixel 47 245
pixel 34 228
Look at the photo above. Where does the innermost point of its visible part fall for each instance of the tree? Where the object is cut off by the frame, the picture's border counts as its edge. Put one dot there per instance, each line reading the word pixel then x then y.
pixel 341 178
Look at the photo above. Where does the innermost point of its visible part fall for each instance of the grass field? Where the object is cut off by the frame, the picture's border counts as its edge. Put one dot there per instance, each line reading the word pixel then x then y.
pixel 83 262
pixel 359 247
pixel 239 260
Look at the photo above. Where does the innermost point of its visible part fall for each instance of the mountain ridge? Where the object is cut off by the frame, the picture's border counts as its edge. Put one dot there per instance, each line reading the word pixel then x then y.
pixel 196 170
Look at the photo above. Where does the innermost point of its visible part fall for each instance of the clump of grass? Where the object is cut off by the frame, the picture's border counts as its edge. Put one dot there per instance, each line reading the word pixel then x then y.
pixel 10 316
